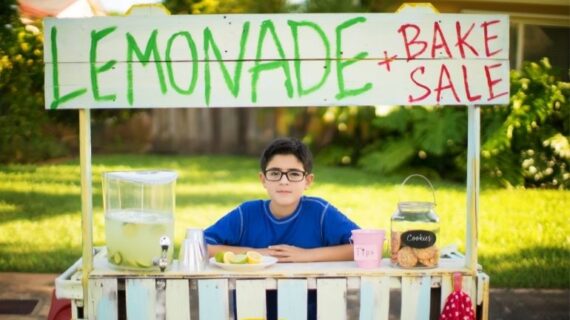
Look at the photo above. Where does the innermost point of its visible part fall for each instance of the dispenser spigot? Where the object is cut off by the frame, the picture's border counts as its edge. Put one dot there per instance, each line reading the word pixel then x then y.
pixel 162 262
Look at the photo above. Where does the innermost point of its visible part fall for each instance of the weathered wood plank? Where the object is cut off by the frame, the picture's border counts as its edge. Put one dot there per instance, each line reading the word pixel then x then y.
pixel 331 299
pixel 469 286
pixel 177 300
pixel 446 289
pixel 213 299
pixel 141 298
pixel 103 299
pixel 292 300
pixel 374 298
pixel 416 297
pixel 250 299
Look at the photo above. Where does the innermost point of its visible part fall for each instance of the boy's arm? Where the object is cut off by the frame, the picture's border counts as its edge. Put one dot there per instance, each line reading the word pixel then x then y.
pixel 213 249
pixel 287 253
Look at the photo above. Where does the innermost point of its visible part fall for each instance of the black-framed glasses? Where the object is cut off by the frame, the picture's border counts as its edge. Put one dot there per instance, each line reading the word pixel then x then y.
pixel 292 175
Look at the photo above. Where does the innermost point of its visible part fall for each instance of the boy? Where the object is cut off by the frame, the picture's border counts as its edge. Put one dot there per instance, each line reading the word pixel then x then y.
pixel 289 226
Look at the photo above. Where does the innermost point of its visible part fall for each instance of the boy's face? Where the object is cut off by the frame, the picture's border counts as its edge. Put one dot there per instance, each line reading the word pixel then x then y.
pixel 284 192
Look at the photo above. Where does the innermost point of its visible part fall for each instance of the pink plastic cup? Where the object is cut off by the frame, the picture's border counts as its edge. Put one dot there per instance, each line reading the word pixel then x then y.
pixel 368 246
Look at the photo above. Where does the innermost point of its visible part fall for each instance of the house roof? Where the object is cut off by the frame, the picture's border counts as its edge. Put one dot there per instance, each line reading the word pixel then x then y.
pixel 545 7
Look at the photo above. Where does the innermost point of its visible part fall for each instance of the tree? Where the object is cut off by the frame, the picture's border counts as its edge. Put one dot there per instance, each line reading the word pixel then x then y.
pixel 23 120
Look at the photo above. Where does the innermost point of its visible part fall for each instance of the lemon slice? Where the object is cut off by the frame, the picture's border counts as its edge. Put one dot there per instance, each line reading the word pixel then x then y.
pixel 219 257
pixel 116 258
pixel 253 257
pixel 239 259
pixel 228 257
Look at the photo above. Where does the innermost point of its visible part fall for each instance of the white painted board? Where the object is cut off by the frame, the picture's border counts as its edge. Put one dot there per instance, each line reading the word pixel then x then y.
pixel 374 298
pixel 331 299
pixel 416 297
pixel 292 295
pixel 276 60
pixel 141 299
pixel 177 299
pixel 103 299
pixel 250 299
pixel 213 301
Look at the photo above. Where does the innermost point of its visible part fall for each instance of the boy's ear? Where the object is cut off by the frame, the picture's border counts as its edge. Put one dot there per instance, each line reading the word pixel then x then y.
pixel 309 180
pixel 261 177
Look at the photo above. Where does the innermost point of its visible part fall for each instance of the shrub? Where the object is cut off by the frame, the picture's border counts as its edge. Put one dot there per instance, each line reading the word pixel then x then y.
pixel 527 143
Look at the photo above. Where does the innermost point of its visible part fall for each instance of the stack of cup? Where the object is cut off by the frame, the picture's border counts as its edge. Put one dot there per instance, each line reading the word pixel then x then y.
pixel 193 253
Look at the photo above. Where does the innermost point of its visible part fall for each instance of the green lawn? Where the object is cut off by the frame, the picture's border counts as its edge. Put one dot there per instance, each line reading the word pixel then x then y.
pixel 524 236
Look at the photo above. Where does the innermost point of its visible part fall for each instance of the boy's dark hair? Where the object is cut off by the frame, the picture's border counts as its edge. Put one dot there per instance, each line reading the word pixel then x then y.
pixel 287 146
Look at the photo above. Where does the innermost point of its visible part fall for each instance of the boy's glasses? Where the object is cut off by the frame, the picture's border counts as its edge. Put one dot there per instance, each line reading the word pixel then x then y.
pixel 292 175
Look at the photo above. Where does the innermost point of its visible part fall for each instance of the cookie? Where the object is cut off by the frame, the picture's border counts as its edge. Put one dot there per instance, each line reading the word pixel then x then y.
pixel 426 253
pixel 395 242
pixel 407 258
pixel 431 262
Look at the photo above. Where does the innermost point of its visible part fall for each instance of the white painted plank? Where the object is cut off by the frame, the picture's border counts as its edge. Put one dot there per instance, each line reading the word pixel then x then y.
pixel 103 299
pixel 446 288
pixel 413 82
pixel 374 298
pixel 177 300
pixel 484 288
pixel 141 299
pixel 213 299
pixel 371 33
pixel 416 295
pixel 470 287
pixel 292 300
pixel 250 299
pixel 331 299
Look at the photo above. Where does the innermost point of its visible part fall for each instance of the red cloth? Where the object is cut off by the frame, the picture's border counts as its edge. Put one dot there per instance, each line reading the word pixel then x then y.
pixel 458 305
pixel 60 309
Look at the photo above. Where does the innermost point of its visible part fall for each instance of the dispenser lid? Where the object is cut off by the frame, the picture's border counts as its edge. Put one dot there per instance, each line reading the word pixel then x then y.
pixel 143 176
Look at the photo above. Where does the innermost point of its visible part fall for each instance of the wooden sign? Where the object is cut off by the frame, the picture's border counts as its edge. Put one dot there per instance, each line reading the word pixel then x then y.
pixel 276 60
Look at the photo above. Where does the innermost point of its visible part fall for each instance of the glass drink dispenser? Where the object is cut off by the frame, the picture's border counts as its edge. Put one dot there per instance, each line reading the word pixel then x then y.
pixel 139 211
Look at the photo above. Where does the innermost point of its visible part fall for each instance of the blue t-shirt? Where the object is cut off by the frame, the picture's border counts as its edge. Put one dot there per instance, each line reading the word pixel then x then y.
pixel 315 223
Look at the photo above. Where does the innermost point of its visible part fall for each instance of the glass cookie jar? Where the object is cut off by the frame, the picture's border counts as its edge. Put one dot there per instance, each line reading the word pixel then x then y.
pixel 414 233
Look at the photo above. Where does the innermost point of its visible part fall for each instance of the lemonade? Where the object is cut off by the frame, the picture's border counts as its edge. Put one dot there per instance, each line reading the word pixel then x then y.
pixel 133 238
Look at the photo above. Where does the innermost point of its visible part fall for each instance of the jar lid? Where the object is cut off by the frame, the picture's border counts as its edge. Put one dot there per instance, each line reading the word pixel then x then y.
pixel 143 176
pixel 416 206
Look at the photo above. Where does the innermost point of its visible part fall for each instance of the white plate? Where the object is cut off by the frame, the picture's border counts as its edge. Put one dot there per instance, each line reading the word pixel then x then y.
pixel 266 261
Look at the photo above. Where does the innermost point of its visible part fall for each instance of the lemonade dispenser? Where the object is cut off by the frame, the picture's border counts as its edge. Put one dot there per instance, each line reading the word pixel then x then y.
pixel 139 218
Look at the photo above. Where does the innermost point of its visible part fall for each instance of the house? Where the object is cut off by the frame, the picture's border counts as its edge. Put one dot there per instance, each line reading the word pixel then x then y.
pixel 538 28
pixel 37 9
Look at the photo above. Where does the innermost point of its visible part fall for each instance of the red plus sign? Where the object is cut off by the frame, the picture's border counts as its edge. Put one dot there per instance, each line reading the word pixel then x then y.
pixel 387 60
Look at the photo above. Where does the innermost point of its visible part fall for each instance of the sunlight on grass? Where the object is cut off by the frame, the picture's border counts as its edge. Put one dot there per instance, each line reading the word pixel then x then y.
pixel 524 238
pixel 7 207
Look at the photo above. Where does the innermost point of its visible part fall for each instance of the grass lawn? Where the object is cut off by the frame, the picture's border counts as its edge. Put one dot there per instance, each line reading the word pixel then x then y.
pixel 524 236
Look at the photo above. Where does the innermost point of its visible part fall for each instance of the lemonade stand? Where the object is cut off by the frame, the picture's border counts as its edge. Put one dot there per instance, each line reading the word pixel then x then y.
pixel 411 57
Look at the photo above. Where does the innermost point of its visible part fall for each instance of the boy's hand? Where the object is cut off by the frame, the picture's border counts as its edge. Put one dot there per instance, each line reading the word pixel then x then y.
pixel 287 253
